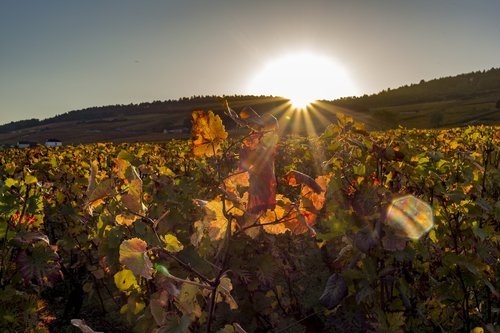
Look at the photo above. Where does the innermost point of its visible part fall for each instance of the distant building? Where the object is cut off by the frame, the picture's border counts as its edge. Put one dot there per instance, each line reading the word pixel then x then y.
pixel 25 144
pixel 53 143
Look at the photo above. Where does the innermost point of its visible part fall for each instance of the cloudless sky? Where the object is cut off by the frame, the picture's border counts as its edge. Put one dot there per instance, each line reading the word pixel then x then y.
pixel 59 55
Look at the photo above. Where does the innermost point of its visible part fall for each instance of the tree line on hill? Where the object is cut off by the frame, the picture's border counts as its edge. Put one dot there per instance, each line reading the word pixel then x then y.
pixel 119 111
pixel 460 87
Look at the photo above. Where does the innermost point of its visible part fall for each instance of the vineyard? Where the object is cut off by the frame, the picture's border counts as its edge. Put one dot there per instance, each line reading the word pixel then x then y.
pixel 254 232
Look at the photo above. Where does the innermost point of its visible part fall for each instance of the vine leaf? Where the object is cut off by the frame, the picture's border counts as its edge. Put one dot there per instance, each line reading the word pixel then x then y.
pixel 295 178
pixel 132 200
pixel 188 301
pixel 125 279
pixel 157 311
pixel 133 254
pixel 133 306
pixel 174 324
pixel 208 133
pixel 38 262
pixel 214 222
pixel 335 291
pixel 125 219
pixel 257 155
pixel 311 203
pixel 172 244
pixel 97 194
pixel 224 289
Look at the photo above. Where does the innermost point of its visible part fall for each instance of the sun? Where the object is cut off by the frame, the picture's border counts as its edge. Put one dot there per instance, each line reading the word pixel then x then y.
pixel 303 78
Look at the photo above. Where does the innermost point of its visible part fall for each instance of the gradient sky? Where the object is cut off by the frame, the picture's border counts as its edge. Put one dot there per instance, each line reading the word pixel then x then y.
pixel 59 55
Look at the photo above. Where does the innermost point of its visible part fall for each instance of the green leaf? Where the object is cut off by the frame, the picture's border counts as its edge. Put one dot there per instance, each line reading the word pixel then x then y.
pixel 162 269
pixel 359 170
pixel 133 254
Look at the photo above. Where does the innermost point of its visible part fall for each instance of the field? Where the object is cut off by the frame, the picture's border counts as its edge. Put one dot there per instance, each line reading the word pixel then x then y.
pixel 349 231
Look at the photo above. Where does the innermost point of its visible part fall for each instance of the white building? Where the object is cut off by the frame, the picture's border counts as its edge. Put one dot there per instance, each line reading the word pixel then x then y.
pixel 53 143
pixel 25 144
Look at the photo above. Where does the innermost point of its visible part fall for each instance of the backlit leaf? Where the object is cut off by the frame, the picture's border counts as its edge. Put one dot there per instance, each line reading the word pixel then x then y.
pixel 257 157
pixel 125 279
pixel 214 222
pixel 295 178
pixel 208 133
pixel 104 189
pixel 30 179
pixel 133 198
pixel 125 219
pixel 172 244
pixel 133 254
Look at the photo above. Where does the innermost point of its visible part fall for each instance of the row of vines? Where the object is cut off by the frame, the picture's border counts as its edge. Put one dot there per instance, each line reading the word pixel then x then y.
pixel 254 233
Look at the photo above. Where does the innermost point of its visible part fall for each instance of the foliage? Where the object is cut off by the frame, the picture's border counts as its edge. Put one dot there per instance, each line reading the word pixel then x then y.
pixel 257 233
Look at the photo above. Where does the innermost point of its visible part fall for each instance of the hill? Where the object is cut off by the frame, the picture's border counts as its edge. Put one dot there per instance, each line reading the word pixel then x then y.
pixel 472 98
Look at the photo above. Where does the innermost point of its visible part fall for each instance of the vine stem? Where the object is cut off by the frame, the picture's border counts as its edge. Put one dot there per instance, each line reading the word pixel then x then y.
pixel 216 283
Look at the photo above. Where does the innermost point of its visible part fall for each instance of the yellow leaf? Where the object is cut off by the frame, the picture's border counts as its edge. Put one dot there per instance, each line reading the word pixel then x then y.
pixel 133 308
pixel 166 171
pixel 29 179
pixel 127 220
pixel 208 133
pixel 121 167
pixel 94 204
pixel 172 244
pixel 271 216
pixel 214 222
pixel 125 279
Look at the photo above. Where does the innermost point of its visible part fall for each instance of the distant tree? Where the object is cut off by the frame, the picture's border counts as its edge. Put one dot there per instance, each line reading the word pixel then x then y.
pixel 498 104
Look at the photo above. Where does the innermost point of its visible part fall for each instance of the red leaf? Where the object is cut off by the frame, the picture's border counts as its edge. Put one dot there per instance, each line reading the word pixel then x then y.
pixel 257 157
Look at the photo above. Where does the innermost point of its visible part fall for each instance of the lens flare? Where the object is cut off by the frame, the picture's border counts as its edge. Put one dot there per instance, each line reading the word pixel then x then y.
pixel 410 217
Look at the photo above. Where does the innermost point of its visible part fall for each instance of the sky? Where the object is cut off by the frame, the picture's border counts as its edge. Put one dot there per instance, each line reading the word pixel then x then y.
pixel 59 55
